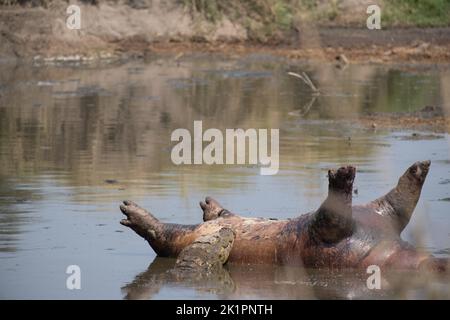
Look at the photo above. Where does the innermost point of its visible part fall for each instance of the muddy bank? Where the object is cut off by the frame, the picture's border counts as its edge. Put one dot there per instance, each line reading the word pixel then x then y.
pixel 123 29
pixel 430 118
pixel 354 50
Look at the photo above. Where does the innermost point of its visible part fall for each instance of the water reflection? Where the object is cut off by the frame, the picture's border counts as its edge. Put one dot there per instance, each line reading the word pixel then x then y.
pixel 12 219
pixel 160 274
pixel 97 121
pixel 74 141
pixel 275 282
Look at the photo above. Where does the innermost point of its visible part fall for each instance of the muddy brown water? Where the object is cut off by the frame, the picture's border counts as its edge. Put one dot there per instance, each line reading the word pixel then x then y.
pixel 75 140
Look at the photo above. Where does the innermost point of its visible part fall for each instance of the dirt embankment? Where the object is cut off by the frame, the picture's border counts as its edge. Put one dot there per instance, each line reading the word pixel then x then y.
pixel 429 118
pixel 410 45
pixel 139 28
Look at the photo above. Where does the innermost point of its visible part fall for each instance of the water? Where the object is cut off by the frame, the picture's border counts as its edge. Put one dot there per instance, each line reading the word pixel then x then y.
pixel 76 140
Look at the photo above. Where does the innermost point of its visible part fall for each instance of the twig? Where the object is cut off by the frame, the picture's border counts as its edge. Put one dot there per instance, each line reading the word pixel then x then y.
pixel 305 109
pixel 306 80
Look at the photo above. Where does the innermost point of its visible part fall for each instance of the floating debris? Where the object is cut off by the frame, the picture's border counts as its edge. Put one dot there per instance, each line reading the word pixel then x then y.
pixel 111 181
pixel 341 61
pixel 419 136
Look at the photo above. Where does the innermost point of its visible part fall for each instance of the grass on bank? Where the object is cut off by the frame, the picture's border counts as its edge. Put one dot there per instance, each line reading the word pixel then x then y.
pixel 270 16
pixel 420 13
pixel 281 14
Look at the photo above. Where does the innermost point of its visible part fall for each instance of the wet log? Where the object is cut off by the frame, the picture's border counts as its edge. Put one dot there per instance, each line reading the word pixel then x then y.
pixel 207 253
pixel 200 265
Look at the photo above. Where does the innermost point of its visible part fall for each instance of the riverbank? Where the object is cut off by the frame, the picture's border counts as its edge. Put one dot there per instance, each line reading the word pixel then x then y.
pixel 123 30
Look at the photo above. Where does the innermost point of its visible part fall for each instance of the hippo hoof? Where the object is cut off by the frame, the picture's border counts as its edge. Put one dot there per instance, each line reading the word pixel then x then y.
pixel 342 179
pixel 211 209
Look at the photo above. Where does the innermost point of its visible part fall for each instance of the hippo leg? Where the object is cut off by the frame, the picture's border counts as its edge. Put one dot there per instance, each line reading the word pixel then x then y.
pixel 433 264
pixel 141 221
pixel 397 205
pixel 167 239
pixel 333 220
pixel 402 256
pixel 212 209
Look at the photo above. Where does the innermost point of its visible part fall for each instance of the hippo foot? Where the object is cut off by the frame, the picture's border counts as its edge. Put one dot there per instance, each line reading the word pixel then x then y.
pixel 211 209
pixel 342 179
pixel 139 220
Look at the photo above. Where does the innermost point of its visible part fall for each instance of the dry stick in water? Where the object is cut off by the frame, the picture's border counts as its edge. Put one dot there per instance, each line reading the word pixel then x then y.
pixel 310 84
pixel 306 80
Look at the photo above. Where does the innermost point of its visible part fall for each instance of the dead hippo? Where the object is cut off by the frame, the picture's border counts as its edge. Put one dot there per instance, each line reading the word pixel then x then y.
pixel 337 235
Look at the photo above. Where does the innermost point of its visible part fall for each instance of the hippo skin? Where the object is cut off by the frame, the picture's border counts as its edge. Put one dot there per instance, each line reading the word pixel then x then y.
pixel 336 235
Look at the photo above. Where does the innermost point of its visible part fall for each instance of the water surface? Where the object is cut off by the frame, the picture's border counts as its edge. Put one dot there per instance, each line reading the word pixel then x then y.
pixel 76 140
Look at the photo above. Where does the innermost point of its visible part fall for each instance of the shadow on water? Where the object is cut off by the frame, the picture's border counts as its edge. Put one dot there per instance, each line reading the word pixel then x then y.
pixel 75 141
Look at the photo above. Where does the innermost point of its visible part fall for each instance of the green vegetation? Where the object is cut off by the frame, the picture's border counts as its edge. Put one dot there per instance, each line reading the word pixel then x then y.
pixel 275 11
pixel 279 14
pixel 39 3
pixel 210 9
pixel 263 18
pixel 422 13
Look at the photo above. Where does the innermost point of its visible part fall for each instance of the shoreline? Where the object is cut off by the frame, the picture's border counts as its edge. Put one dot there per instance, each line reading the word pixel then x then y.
pixel 420 55
pixel 115 32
